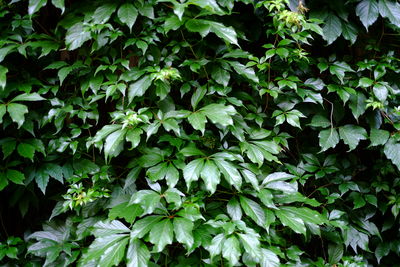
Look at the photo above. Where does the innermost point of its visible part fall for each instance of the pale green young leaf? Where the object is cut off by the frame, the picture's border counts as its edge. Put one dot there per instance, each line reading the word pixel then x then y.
pixel 161 234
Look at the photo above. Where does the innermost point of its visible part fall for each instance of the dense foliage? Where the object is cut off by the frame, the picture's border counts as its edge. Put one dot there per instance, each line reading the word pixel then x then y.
pixel 200 133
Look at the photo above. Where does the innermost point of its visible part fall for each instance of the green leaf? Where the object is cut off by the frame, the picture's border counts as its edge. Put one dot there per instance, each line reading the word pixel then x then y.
pixel 42 179
pixel 357 104
pixel 8 147
pixel 147 199
pixel 328 138
pixel 114 143
pixel 143 226
pixel 368 12
pixel 230 172
pixel 192 170
pixel 76 36
pixel 59 4
pixel 35 5
pixel 103 13
pixel 382 250
pixel 183 231
pixel 290 220
pixel 244 71
pixel 306 214
pixel 231 250
pixel 125 211
pixel 219 113
pixel 390 9
pixel 3 110
pixel 269 258
pixel 349 32
pixel 161 234
pixel 332 28
pixel 210 175
pixel 380 91
pixel 105 228
pixel 392 152
pixel 26 150
pixel 320 121
pixel 97 250
pixel 17 113
pixel 133 136
pixel 3 181
pixel 220 75
pixel 234 210
pixel 352 134
pixel 139 87
pixel 198 96
pixel 198 121
pixel 378 137
pixel 251 244
pixel 277 176
pixel 3 76
pixel 171 176
pixel 253 210
pixel 127 14
pixel 15 176
pixel 114 254
pixel 138 254
pixel 223 32
pixel 335 252
pixel 28 97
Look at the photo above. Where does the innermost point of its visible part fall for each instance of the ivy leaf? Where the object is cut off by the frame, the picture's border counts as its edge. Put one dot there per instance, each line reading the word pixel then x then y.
pixel 215 246
pixel 103 13
pixel 210 175
pixel 114 254
pixel 59 4
pixel 125 211
pixel 289 219
pixel 143 226
pixel 42 179
pixel 26 150
pixel 231 250
pixel 349 32
pixel 15 176
pixel 183 231
pixel 244 71
pixel 230 173
pixel 392 152
pixel 147 199
pixel 17 113
pixel 76 36
pixel 127 14
pixel 35 5
pixel 352 134
pixel 3 76
pixel 368 12
pixel 328 138
pixel 198 121
pixel 378 137
pixel 139 87
pixel 380 91
pixel 390 9
pixel 28 97
pixel 138 254
pixel 269 258
pixel 251 244
pixel 332 28
pixel 114 143
pixel 253 210
pixel 219 113
pixel 357 104
pixel 191 172
pixel 234 210
pixel 382 250
pixel 161 234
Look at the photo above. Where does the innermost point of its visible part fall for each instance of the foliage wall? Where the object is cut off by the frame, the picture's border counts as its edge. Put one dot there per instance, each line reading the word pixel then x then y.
pixel 199 133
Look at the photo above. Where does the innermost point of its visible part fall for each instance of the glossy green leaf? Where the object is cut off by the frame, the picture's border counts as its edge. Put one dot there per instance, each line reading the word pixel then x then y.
pixel 352 135
pixel 253 210
pixel 138 254
pixel 127 13
pixel 161 234
pixel 17 113
pixel 367 11
pixel 328 138
pixel 183 231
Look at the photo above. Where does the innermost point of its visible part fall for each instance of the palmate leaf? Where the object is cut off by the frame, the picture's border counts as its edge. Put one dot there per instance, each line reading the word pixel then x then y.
pixel 161 234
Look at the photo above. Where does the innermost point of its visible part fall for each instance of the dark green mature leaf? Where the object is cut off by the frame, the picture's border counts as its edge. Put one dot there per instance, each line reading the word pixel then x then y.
pixel 191 172
pixel 127 14
pixel 390 9
pixel 42 179
pixel 143 226
pixel 378 137
pixel 28 97
pixel 35 5
pixel 291 220
pixel 15 176
pixel 332 28
pixel 26 150
pixel 210 175
pixel 161 234
pixel 3 76
pixel 269 258
pixel 139 87
pixel 125 211
pixel 17 113
pixel 368 12
pixel 183 231
pixel 328 138
pixel 76 36
pixel 253 210
pixel 392 152
pixel 230 173
pixel 147 199
pixel 138 254
pixel 114 143
pixel 352 134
